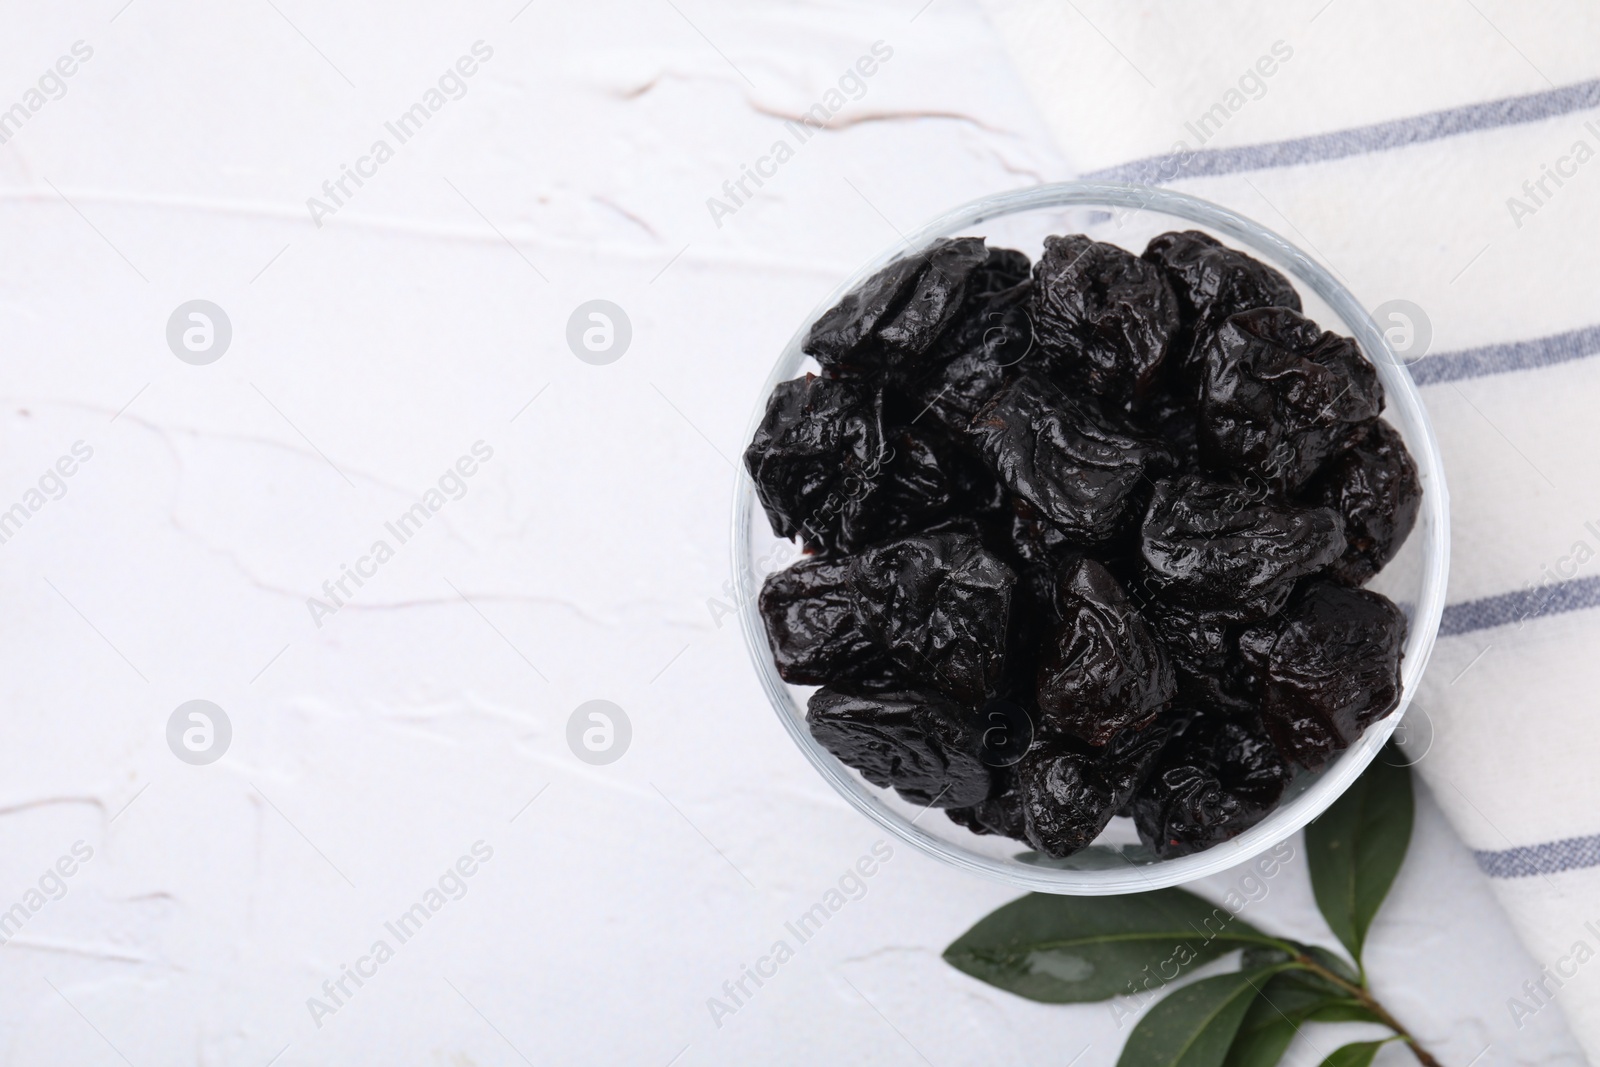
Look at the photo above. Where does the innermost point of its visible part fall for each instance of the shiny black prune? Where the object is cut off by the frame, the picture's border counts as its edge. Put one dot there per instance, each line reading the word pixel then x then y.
pixel 900 312
pixel 1000 814
pixel 984 350
pixel 1201 645
pixel 1212 282
pixel 815 633
pixel 1077 465
pixel 1328 669
pixel 1069 794
pixel 1169 413
pixel 1100 672
pixel 1213 781
pixel 1104 316
pixel 918 743
pixel 817 460
pixel 925 477
pixel 1214 546
pixel 1375 487
pixel 940 606
pixel 1004 269
pixel 1280 396
pixel 1035 540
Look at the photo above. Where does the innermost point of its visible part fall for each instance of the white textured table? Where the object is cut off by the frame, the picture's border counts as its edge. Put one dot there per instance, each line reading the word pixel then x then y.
pixel 405 724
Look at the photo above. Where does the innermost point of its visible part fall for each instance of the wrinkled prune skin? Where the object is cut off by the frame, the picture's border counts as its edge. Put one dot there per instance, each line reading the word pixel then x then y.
pixel 1168 413
pixel 1201 645
pixel 1328 669
pixel 809 611
pixel 1100 672
pixel 1214 781
pixel 1035 540
pixel 1069 794
pixel 1004 269
pixel 1212 282
pixel 1075 464
pixel 940 606
pixel 817 460
pixel 1213 546
pixel 984 350
pixel 1375 487
pixel 1000 814
pixel 925 477
pixel 897 314
pixel 1104 316
pixel 1280 396
pixel 917 743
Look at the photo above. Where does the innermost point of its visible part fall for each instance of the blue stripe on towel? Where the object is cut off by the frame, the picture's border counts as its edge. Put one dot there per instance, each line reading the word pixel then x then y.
pixel 1339 144
pixel 1486 612
pixel 1571 854
pixel 1507 357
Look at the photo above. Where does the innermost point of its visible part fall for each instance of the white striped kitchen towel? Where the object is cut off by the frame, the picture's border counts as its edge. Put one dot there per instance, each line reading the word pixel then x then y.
pixel 1446 155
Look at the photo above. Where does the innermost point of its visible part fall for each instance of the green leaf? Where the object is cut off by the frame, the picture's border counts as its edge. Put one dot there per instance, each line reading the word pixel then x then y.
pixel 1343 1010
pixel 1195 1026
pixel 1065 950
pixel 1356 1055
pixel 1262 1045
pixel 1288 1001
pixel 1332 962
pixel 1355 849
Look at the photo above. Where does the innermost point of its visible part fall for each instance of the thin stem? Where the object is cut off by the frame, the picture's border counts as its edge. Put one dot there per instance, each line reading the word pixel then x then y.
pixel 1369 1002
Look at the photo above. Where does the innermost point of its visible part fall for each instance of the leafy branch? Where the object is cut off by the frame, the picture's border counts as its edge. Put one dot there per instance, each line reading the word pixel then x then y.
pixel 1070 950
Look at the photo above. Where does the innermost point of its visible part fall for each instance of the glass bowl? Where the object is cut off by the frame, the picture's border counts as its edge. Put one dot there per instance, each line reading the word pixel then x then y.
pixel 1116 862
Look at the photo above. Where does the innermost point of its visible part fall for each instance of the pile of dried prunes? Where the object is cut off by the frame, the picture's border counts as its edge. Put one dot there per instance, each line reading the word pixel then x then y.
pixel 1084 537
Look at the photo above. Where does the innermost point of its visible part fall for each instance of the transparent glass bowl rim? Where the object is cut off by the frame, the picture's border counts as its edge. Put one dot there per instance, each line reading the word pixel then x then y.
pixel 1404 405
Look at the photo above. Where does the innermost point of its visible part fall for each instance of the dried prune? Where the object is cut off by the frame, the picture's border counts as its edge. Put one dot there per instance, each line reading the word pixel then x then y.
pixel 1035 540
pixel 1209 545
pixel 1211 282
pixel 1100 672
pixel 940 606
pixel 917 743
pixel 1076 464
pixel 1280 396
pixel 899 312
pixel 1000 814
pixel 1201 646
pixel 1103 315
pixel 1374 486
pixel 812 626
pixel 1213 781
pixel 924 478
pixel 985 349
pixel 817 459
pixel 1069 794
pixel 1328 669
pixel 1003 269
